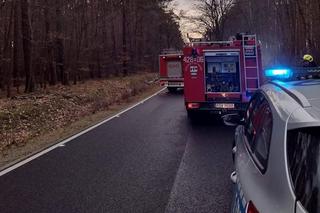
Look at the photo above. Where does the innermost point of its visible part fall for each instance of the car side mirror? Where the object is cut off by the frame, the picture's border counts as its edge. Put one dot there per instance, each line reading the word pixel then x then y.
pixel 233 120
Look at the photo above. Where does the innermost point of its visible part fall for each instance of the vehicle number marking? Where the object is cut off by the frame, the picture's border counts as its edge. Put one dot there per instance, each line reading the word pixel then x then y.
pixel 190 59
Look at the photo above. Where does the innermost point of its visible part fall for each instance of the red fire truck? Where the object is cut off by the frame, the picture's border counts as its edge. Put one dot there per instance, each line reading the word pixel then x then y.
pixel 221 76
pixel 171 75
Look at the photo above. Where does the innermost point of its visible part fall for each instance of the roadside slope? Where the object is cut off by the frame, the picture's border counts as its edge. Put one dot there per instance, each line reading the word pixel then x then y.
pixel 29 123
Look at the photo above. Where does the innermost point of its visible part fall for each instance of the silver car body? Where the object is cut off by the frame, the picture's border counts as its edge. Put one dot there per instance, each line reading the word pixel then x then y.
pixel 293 105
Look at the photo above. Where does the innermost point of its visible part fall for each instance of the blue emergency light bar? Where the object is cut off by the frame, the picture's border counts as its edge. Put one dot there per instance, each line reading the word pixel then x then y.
pixel 294 73
pixel 278 73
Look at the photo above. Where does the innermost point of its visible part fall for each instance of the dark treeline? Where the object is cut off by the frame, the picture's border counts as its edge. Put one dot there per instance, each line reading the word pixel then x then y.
pixel 287 28
pixel 65 41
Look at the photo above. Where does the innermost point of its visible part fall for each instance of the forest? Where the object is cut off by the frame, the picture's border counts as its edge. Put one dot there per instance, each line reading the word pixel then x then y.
pixel 287 29
pixel 49 42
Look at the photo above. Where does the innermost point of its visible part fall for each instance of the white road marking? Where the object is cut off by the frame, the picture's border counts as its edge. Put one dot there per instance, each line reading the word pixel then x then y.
pixel 175 187
pixel 62 143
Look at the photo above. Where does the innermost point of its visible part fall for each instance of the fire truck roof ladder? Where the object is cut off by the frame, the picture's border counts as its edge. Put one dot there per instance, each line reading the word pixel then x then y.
pixel 171 52
pixel 253 56
pixel 209 43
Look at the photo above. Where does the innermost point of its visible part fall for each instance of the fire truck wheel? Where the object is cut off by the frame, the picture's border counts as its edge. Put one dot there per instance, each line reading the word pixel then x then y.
pixel 172 89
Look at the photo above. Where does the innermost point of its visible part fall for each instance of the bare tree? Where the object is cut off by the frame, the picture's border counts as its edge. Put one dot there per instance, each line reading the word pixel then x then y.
pixel 27 45
pixel 43 41
pixel 49 46
pixel 64 78
pixel 212 16
pixel 288 29
pixel 15 49
pixel 124 37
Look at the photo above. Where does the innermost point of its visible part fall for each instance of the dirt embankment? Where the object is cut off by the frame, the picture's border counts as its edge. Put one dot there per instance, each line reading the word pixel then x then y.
pixel 28 118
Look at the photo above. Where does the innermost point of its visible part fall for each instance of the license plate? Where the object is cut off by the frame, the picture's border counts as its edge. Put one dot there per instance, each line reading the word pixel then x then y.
pixel 224 106
pixel 175 84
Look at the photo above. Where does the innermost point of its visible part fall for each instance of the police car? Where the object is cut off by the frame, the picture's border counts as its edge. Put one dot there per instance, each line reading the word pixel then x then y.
pixel 277 146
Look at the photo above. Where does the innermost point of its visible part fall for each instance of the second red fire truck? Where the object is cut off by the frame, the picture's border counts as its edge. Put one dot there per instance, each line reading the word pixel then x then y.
pixel 171 73
pixel 221 76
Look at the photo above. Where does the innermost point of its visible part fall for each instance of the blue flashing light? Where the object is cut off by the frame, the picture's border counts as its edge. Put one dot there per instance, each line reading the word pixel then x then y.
pixel 278 73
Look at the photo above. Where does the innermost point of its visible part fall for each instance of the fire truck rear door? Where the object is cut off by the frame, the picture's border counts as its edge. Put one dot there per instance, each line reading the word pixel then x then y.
pixel 222 72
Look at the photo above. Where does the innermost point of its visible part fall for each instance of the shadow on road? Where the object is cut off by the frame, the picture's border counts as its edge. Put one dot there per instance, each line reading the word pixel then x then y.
pixel 206 119
pixel 202 183
pixel 179 92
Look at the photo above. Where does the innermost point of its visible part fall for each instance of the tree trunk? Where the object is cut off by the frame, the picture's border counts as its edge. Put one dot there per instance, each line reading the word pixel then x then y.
pixel 124 40
pixel 5 70
pixel 27 45
pixel 15 70
pixel 114 48
pixel 59 45
pixel 50 68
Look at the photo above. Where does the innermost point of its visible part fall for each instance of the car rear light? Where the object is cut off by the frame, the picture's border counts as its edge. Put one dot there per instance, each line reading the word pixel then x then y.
pixel 193 105
pixel 251 208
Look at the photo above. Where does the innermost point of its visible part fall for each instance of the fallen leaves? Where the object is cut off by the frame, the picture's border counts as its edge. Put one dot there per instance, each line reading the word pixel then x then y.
pixel 25 117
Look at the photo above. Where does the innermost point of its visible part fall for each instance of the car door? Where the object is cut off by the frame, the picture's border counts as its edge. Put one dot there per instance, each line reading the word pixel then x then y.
pixel 252 150
pixel 242 131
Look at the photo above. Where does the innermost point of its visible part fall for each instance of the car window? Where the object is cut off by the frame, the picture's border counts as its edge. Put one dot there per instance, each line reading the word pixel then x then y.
pixel 250 114
pixel 258 129
pixel 303 146
pixel 264 132
pixel 251 118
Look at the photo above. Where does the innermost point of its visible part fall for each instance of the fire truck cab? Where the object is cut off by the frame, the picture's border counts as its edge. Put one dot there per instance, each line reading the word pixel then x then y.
pixel 170 68
pixel 221 76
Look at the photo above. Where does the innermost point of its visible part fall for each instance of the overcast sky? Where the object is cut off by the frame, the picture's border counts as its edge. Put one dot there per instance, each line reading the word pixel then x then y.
pixel 184 4
pixel 188 7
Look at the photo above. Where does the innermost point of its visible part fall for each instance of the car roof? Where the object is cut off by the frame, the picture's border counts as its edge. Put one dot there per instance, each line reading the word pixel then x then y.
pixel 301 97
pixel 305 92
pixel 309 88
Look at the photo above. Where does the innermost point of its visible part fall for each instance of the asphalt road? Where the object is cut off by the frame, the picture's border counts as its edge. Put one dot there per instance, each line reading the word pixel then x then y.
pixel 150 159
